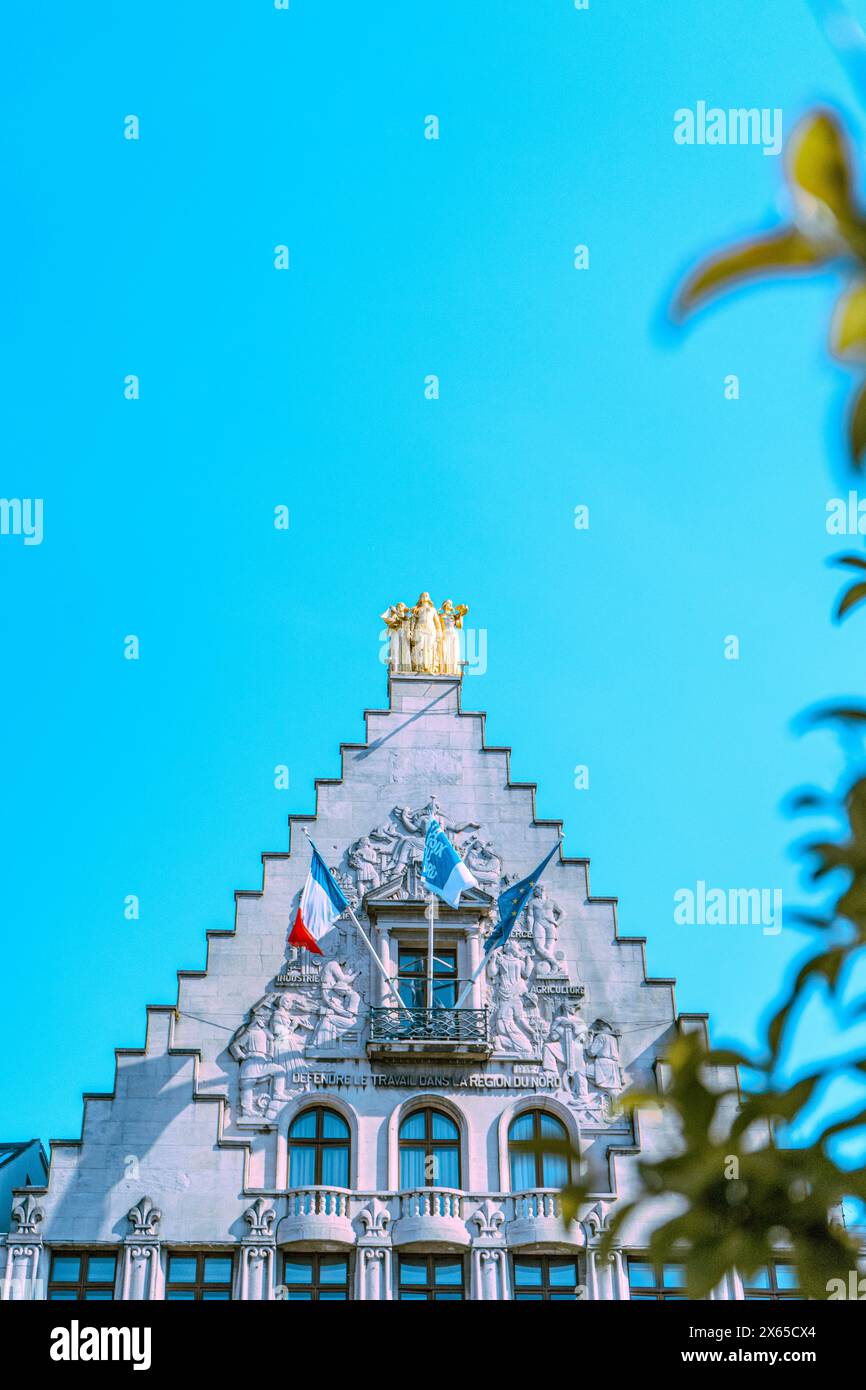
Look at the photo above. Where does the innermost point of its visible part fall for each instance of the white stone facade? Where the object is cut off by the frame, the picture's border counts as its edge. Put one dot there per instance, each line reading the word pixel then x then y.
pixel 192 1151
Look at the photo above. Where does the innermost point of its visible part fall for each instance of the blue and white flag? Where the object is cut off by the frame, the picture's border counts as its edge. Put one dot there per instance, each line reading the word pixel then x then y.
pixel 512 902
pixel 443 871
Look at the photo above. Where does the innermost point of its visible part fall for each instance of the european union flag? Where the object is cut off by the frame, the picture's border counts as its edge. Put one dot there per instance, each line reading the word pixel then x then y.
pixel 512 902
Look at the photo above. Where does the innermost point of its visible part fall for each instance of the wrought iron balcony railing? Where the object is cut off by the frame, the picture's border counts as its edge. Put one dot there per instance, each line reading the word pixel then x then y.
pixel 428 1026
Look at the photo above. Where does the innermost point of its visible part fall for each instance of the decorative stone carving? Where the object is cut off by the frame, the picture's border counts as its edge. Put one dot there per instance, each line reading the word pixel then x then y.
pixel 322 1013
pixel 481 859
pixel 260 1218
pixel 543 916
pixel 564 1051
pixel 604 1054
pixel 341 1004
pixel 508 972
pixel 28 1214
pixel 489 1219
pixel 393 853
pixel 144 1217
pixel 375 1218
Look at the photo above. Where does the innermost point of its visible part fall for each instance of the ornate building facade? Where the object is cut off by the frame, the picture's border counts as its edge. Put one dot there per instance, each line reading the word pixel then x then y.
pixel 289 1132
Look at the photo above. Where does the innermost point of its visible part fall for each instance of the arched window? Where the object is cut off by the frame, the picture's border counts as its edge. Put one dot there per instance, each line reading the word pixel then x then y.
pixel 318 1149
pixel 429 1146
pixel 530 1169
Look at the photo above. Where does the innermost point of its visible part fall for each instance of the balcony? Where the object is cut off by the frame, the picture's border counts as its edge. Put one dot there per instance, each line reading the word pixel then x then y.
pixel 456 1034
pixel 317 1214
pixel 537 1220
pixel 429 1217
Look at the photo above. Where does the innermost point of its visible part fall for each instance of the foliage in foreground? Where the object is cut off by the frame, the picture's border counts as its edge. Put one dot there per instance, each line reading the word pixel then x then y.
pixel 739 1193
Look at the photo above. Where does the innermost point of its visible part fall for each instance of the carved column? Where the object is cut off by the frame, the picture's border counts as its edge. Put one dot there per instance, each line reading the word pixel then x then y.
pixel 473 938
pixel 257 1281
pixel 23 1253
pixel 374 1261
pixel 386 999
pixel 140 1272
pixel 489 1256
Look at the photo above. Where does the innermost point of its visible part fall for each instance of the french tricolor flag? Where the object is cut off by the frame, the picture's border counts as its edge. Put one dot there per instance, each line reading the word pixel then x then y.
pixel 321 904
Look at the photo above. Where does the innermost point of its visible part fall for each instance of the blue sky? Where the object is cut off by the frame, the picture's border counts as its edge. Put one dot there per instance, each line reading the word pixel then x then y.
pixel 305 388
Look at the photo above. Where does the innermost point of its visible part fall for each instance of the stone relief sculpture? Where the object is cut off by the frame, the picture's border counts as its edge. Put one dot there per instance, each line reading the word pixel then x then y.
pixel 274 1042
pixel 395 850
pixel 424 640
pixel 564 1051
pixel 341 1003
pixel 604 1053
pixel 543 916
pixel 484 862
pixel 508 972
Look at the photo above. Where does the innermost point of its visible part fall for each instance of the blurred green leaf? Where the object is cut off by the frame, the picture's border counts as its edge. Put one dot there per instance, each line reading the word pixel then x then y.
pixel 781 252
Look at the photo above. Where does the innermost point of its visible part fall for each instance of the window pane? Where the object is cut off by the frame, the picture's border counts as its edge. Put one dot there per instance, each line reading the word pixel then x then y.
pixel 413 1126
pixel 522 1171
pixel 62 1296
pixel 641 1275
pixel 299 1296
pixel 66 1269
pixel 786 1277
pixel 443 1127
pixel 181 1269
pixel 445 963
pixel 446 1168
pixel 759 1280
pixel 521 1128
pixel 412 1168
pixel 335 1167
pixel 413 1271
pixel 527 1272
pixel 333 1296
pixel 334 1126
pixel 333 1269
pixel 447 1297
pixel 444 995
pixel 215 1296
pixel 551 1128
pixel 180 1296
pixel 98 1296
pixel 674 1277
pixel 304 1127
pixel 217 1269
pixel 554 1171
pixel 562 1273
pixel 298 1270
pixel 101 1268
pixel 448 1273
pixel 529 1298
pixel 412 1297
pixel 412 963
pixel 302 1166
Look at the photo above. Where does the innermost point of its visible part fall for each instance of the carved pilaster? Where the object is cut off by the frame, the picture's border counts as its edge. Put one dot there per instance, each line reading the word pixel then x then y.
pixel 374 1262
pixel 23 1253
pixel 140 1278
pixel 489 1261
pixel 257 1278
pixel 21 1278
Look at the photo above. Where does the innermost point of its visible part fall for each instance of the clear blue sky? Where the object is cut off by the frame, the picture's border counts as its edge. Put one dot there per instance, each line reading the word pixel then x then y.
pixel 558 387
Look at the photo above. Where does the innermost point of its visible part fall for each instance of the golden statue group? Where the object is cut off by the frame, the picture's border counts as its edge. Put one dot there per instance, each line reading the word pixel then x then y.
pixel 423 639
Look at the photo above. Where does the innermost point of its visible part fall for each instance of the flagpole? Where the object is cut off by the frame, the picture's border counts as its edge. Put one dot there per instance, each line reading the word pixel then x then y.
pixel 431 910
pixel 368 943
